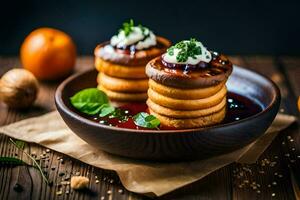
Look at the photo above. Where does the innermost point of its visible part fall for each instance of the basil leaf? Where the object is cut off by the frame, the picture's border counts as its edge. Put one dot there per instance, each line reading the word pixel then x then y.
pixel 20 144
pixel 145 120
pixel 89 101
pixel 106 109
pixel 4 161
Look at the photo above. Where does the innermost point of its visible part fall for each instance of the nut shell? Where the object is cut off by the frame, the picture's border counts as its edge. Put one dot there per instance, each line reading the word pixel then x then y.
pixel 18 88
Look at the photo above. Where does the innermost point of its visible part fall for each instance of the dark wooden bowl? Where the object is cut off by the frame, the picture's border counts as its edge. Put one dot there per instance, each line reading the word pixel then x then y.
pixel 165 145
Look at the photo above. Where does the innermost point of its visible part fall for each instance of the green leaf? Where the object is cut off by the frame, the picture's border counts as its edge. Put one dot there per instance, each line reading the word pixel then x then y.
pixel 106 109
pixel 20 144
pixel 33 160
pixel 145 120
pixel 89 101
pixel 11 161
pixel 127 27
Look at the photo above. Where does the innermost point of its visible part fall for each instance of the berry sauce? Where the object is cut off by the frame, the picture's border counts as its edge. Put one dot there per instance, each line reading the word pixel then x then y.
pixel 238 107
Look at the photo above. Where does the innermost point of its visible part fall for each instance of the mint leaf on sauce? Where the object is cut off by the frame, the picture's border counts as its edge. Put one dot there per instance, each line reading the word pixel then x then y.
pixel 145 120
pixel 89 101
pixel 106 109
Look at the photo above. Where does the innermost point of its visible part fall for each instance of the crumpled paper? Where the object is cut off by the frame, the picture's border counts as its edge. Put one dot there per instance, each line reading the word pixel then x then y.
pixel 151 178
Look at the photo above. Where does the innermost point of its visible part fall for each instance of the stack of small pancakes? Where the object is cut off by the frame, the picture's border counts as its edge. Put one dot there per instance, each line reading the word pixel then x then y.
pixel 190 100
pixel 122 74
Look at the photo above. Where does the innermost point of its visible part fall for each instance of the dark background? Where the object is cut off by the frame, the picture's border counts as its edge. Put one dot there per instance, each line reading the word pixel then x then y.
pixel 231 27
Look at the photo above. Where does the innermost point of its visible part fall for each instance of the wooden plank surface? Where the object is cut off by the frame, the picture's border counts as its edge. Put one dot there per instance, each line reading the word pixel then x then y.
pixel 235 181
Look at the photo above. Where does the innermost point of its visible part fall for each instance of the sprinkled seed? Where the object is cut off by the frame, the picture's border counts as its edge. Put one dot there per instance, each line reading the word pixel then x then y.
pixel 289 137
pixel 280 175
pixel 102 198
pixel 65 182
pixel 77 173
pixel 287 155
pixel 61 174
pixel 269 185
pixel 258 191
pixel 47 150
pixel 274 183
pixel 276 157
pixel 272 164
pixel 246 181
pixel 108 192
pixel 67 191
pixel 283 143
pixel 273 194
pixel 291 140
pixel 111 181
pixel 298 157
pixel 97 181
pixel 59 192
pixel 96 177
pixel 292 161
pixel 275 173
pixel 58 158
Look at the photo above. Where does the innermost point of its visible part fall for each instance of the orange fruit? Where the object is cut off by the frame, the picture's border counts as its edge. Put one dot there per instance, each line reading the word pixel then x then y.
pixel 48 53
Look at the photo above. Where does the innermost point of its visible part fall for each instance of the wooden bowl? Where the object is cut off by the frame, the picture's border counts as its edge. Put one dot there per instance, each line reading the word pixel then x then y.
pixel 166 145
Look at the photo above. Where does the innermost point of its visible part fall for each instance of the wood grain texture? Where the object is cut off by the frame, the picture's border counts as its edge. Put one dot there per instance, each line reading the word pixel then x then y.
pixel 222 184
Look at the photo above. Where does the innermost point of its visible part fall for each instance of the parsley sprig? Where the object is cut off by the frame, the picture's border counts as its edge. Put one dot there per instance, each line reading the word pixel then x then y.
pixel 127 27
pixel 186 49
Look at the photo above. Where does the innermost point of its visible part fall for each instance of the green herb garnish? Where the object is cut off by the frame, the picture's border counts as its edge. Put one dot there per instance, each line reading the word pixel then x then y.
pixel 89 101
pixel 127 27
pixel 186 49
pixel 106 109
pixel 36 164
pixel 93 101
pixel 11 161
pixel 145 120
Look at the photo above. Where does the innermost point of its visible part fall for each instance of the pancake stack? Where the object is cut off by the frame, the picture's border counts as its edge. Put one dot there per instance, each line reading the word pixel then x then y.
pixel 122 72
pixel 188 99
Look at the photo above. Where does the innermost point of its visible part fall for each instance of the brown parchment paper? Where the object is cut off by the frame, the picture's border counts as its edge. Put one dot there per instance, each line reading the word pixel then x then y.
pixel 150 178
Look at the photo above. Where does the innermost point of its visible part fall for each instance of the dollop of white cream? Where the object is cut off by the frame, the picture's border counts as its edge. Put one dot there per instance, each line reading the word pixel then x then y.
pixel 142 40
pixel 205 56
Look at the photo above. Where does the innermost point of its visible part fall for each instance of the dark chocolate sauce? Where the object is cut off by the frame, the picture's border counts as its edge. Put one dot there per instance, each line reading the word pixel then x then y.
pixel 238 107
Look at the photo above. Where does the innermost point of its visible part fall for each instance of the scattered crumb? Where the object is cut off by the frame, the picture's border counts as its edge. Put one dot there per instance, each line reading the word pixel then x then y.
pixel 79 182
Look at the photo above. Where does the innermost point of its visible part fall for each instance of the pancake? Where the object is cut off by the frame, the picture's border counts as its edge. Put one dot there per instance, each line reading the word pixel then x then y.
pixel 124 57
pixel 122 96
pixel 120 71
pixel 122 85
pixel 200 78
pixel 203 121
pixel 178 93
pixel 186 104
pixel 184 114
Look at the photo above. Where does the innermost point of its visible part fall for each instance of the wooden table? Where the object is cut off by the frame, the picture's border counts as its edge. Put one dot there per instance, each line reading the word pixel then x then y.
pixel 273 177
